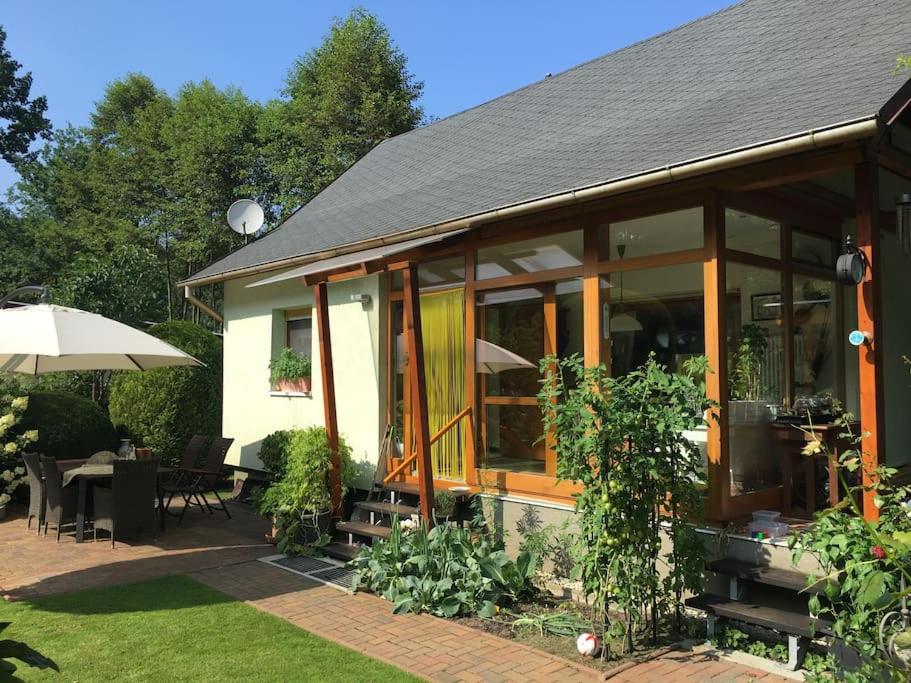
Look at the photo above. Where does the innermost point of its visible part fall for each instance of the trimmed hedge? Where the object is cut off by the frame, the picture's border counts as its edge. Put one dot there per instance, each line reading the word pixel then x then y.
pixel 164 407
pixel 274 452
pixel 69 426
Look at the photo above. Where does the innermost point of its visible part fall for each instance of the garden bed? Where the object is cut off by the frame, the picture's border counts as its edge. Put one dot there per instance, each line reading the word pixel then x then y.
pixel 563 646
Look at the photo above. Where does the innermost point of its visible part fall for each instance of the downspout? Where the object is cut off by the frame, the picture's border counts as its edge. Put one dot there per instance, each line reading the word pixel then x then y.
pixel 803 142
pixel 201 305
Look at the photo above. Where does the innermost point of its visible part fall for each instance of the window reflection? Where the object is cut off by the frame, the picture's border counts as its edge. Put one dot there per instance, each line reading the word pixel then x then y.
pixel 658 234
pixel 563 250
pixel 815 359
pixel 752 234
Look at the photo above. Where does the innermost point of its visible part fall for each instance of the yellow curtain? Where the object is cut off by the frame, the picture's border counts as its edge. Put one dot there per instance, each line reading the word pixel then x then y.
pixel 443 328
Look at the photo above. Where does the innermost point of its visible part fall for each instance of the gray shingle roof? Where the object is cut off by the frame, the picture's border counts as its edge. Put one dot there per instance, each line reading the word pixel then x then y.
pixel 756 71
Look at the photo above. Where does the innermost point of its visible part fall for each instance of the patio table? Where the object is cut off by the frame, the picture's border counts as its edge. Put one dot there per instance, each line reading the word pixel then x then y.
pixel 83 473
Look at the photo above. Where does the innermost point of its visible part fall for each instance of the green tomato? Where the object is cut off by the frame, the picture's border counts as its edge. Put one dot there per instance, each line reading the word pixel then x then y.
pixel 613 485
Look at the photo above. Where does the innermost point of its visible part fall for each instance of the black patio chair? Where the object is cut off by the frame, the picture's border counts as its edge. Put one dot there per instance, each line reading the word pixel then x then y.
pixel 60 501
pixel 197 482
pixel 129 505
pixel 36 496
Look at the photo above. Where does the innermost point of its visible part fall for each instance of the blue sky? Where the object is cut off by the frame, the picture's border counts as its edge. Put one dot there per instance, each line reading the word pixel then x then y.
pixel 466 52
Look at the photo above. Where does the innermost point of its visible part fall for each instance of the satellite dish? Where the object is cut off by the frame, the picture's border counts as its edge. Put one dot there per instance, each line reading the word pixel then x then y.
pixel 245 217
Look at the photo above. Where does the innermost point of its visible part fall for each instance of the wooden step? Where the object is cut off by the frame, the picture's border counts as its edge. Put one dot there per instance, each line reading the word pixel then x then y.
pixel 364 529
pixel 791 623
pixel 341 551
pixel 384 508
pixel 782 578
pixel 403 487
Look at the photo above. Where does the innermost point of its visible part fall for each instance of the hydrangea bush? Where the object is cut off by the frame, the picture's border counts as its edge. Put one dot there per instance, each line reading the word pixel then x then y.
pixel 12 443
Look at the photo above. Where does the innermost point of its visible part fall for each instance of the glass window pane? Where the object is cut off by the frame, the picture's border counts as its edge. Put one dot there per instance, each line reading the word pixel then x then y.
pixel 813 249
pixel 658 310
pixel 816 364
pixel 752 234
pixel 300 336
pixel 563 250
pixel 675 231
pixel 513 435
pixel 398 371
pixel 450 271
pixel 511 319
pixel 755 375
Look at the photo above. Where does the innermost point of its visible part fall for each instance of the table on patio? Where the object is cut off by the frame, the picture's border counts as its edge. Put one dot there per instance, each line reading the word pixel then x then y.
pixel 83 473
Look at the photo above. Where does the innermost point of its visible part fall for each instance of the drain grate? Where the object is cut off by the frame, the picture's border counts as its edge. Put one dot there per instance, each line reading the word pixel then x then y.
pixel 339 576
pixel 326 571
pixel 304 565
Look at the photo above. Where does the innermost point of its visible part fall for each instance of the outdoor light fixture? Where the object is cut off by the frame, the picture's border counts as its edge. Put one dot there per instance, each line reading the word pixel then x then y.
pixel 622 321
pixel 851 267
pixel 360 299
pixel 903 221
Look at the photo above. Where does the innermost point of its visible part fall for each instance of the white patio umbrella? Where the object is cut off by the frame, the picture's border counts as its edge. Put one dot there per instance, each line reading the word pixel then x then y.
pixel 48 338
pixel 491 359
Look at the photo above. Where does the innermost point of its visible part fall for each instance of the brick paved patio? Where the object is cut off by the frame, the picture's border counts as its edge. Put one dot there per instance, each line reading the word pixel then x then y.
pixel 222 553
pixel 31 565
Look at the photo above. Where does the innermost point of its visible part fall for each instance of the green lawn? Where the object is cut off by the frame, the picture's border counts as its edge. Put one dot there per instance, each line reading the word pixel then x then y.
pixel 175 628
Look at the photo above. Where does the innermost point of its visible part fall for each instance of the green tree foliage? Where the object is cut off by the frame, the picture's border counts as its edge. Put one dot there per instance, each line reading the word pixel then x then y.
pixel 156 172
pixel 21 119
pixel 340 100
pixel 69 426
pixel 164 407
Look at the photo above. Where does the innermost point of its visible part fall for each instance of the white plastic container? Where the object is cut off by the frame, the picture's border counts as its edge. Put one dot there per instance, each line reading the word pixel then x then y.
pixel 766 515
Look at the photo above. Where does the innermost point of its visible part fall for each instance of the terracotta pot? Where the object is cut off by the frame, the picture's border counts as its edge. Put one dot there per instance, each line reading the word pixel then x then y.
pixel 298 386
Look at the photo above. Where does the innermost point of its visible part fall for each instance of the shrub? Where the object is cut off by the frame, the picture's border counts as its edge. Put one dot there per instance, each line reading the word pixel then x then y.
pixel 447 571
pixel 164 407
pixel 69 426
pixel 304 486
pixel 274 452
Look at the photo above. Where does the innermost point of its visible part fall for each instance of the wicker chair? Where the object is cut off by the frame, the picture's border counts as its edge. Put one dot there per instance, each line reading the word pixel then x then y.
pixel 197 482
pixel 37 497
pixel 129 505
pixel 60 508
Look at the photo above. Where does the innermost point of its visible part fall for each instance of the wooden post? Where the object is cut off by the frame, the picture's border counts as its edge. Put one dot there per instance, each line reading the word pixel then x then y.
pixel 321 303
pixel 869 319
pixel 715 288
pixel 591 299
pixel 415 341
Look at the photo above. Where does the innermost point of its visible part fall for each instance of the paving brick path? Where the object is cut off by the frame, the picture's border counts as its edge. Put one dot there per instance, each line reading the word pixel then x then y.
pixel 437 649
pixel 222 553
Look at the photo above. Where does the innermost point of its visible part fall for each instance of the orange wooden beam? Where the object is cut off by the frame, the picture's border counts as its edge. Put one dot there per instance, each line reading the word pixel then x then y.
pixel 415 340
pixel 321 303
pixel 869 319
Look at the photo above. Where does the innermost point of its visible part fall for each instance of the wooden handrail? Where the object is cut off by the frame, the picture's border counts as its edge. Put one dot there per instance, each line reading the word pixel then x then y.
pixel 449 425
pixel 436 437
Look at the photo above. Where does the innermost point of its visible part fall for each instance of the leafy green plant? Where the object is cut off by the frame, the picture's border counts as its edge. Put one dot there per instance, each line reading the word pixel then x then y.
pixel 866 564
pixel 448 571
pixel 289 365
pixel 444 503
pixel 164 407
pixel 746 364
pixel 549 542
pixel 561 624
pixel 274 452
pixel 12 649
pixel 623 440
pixel 304 488
pixel 67 425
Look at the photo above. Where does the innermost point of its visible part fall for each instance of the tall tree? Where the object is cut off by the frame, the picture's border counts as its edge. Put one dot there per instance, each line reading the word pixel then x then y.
pixel 21 119
pixel 339 101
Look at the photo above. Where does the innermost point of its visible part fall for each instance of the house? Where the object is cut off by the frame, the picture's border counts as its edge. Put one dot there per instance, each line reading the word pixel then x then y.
pixel 688 194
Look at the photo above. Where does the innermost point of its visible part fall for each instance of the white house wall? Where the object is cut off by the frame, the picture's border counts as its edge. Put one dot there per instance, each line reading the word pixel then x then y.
pixel 254 332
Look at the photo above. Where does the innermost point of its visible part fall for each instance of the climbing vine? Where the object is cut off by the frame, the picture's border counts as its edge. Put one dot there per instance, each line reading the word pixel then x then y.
pixel 623 439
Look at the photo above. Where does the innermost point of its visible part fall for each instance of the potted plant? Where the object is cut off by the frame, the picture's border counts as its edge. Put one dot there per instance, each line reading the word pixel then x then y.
pixel 300 500
pixel 290 371
pixel 443 506
pixel 746 401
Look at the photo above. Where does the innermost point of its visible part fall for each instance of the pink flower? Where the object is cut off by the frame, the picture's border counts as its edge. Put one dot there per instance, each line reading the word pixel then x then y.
pixel 878 552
